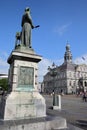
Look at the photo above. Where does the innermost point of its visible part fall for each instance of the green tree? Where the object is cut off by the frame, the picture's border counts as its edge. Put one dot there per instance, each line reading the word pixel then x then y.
pixel 4 84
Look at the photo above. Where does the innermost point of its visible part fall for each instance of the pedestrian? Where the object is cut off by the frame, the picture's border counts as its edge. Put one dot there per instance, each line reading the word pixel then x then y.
pixel 84 96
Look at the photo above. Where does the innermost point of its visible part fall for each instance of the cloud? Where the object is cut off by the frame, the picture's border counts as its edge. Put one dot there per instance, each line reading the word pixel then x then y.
pixel 81 60
pixel 43 66
pixel 3 63
pixel 62 29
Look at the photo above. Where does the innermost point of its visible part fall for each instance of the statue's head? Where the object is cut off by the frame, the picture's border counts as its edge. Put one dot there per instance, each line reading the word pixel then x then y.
pixel 27 9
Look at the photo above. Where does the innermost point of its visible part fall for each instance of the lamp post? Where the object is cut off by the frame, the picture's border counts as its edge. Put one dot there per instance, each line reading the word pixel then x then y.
pixel 53 73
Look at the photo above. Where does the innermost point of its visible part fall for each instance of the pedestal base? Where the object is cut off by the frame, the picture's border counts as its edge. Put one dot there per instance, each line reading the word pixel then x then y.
pixel 22 105
pixel 47 123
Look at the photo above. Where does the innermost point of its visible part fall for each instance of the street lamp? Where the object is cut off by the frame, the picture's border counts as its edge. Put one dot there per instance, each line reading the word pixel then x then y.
pixel 53 73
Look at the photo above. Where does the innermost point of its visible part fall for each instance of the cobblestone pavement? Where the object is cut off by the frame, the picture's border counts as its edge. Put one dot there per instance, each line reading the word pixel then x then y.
pixel 73 108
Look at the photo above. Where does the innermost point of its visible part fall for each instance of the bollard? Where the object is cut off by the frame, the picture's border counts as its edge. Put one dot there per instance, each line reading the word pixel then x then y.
pixel 56 102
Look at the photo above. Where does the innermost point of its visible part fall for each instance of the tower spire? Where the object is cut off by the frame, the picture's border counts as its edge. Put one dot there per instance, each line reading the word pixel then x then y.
pixel 67 55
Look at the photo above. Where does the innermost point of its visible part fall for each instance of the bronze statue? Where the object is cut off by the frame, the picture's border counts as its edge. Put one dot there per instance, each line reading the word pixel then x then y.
pixel 24 37
pixel 27 25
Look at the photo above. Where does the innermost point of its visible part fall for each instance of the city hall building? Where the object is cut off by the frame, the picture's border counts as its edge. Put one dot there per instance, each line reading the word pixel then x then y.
pixel 69 78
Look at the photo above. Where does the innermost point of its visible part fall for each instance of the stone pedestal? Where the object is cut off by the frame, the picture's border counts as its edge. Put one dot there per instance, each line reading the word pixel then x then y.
pixel 23 108
pixel 23 100
pixel 45 123
pixel 23 105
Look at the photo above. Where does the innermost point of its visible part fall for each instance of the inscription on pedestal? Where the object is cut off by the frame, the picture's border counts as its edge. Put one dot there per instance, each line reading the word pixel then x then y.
pixel 25 78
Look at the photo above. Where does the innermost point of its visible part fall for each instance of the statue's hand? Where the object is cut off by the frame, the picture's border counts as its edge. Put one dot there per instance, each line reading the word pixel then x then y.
pixel 35 26
pixel 32 26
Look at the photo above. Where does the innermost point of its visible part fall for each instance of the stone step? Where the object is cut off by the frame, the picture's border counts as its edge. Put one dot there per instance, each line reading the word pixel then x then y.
pixel 70 127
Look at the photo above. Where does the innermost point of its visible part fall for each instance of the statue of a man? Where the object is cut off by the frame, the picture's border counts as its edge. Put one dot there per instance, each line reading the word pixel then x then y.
pixel 27 25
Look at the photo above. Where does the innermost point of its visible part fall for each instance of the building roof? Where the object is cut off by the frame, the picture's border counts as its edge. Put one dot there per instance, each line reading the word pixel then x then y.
pixel 3 75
